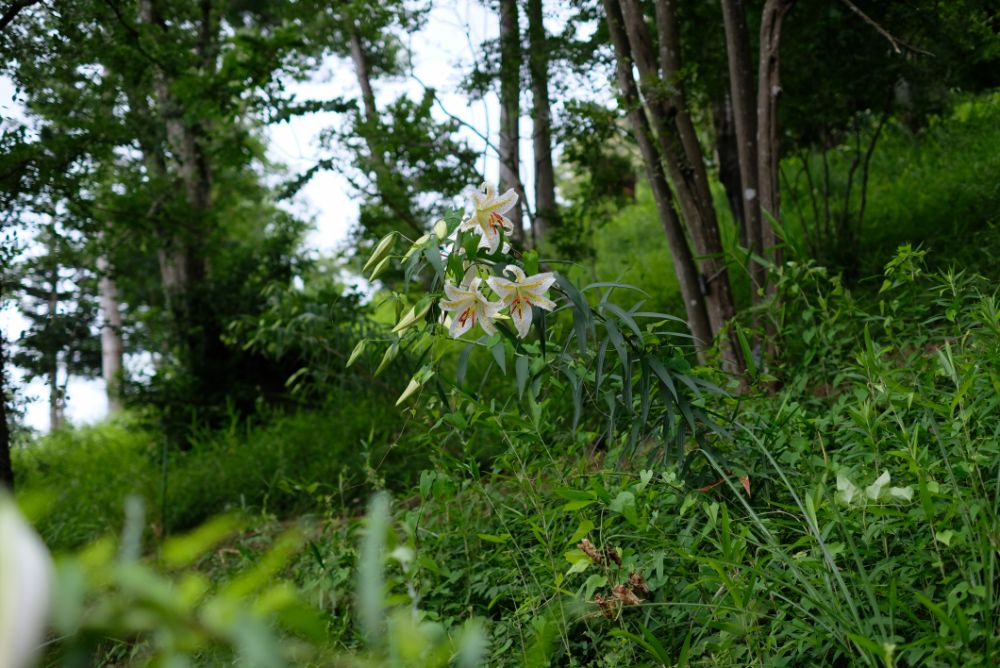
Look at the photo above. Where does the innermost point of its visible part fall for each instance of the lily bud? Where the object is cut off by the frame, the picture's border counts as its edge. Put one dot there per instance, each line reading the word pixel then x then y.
pixel 25 584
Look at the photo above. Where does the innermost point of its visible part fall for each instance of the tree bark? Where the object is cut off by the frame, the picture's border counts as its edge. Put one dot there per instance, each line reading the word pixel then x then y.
pixel 768 90
pixel 388 191
pixel 112 347
pixel 176 262
pixel 728 161
pixel 183 263
pixel 684 264
pixel 546 211
pixel 55 392
pixel 6 469
pixel 671 121
pixel 510 108
pixel 364 78
pixel 741 86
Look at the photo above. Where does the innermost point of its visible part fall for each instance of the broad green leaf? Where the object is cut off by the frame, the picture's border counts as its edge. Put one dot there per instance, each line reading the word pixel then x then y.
pixel 433 255
pixel 500 355
pixel 531 262
pixel 571 506
pixel 624 504
pixel 586 526
pixel 945 537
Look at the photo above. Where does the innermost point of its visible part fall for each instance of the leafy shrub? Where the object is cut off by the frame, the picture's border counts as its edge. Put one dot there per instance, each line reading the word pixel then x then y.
pixel 87 472
pixel 286 465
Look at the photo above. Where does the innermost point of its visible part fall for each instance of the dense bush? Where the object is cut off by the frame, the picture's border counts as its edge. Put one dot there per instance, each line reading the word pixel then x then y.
pixel 285 465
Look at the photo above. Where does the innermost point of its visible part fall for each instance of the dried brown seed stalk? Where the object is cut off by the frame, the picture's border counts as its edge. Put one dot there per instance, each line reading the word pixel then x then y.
pixel 588 549
pixel 625 595
pixel 637 584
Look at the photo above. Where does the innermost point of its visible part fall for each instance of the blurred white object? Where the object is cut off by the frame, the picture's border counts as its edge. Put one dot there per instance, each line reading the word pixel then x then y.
pixel 25 583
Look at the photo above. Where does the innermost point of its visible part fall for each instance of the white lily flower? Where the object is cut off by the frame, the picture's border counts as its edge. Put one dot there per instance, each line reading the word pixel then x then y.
pixel 522 293
pixel 487 214
pixel 469 307
pixel 25 583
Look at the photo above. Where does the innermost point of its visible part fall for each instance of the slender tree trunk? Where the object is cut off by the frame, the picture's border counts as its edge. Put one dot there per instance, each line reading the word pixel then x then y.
pixel 510 108
pixel 55 392
pixel 389 190
pixel 183 262
pixel 546 212
pixel 741 86
pixel 112 348
pixel 6 469
pixel 727 157
pixel 768 90
pixel 680 148
pixel 684 264
pixel 364 78
pixel 173 258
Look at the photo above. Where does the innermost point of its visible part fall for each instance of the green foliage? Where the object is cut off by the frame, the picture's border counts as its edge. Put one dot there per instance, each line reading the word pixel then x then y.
pixel 112 607
pixel 938 187
pixel 290 464
pixel 87 472
pixel 631 247
pixel 851 523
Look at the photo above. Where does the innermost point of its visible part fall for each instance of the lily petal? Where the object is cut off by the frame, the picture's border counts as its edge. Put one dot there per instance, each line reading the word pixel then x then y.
pixel 520 313
pixel 462 322
pixel 504 289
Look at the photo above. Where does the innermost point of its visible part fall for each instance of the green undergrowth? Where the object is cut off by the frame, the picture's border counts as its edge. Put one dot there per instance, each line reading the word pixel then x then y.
pixel 848 519
pixel 941 188
pixel 284 466
pixel 938 186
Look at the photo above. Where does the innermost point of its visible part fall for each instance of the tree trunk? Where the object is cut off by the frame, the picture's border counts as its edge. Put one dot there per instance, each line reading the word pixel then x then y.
pixel 363 77
pixel 112 348
pixel 388 190
pixel 184 267
pixel 684 265
pixel 768 90
pixel 680 147
pixel 741 86
pixel 728 160
pixel 174 260
pixel 6 469
pixel 55 392
pixel 510 108
pixel 546 213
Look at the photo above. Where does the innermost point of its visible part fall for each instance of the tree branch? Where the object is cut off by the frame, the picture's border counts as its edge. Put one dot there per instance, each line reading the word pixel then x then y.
pixel 897 44
pixel 14 10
